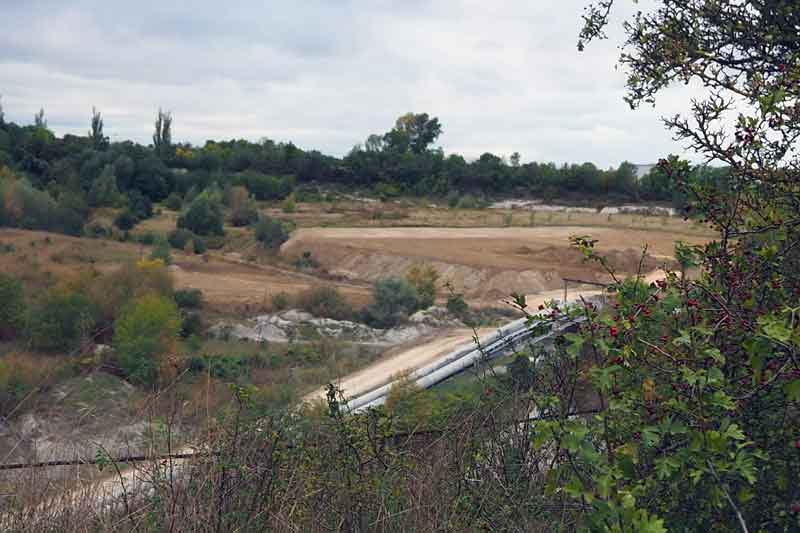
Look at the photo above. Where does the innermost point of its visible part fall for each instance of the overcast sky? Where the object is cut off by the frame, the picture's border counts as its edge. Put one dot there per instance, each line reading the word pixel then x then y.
pixel 502 76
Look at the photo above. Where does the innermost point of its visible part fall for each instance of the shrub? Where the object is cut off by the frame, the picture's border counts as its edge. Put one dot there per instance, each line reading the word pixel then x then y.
pixel 306 261
pixel 125 220
pixel 265 187
pixel 146 330
pixel 12 306
pixel 192 325
pixel 199 245
pixel 468 202
pixel 456 305
pixel 394 300
pixel 61 320
pixel 453 198
pixel 280 301
pixel 173 202
pixel 424 279
pixel 189 298
pixel 96 230
pixel 271 233
pixel 112 292
pixel 245 215
pixel 179 238
pixel 289 204
pixel 326 302
pixel 204 215
pixel 161 250
pixel 23 206
pixel 141 206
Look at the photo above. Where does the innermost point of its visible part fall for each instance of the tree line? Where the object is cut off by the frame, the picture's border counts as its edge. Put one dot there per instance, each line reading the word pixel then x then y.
pixel 65 177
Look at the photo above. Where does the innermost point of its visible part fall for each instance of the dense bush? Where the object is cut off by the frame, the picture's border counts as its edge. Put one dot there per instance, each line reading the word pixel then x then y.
pixel 456 305
pixel 325 301
pixel 145 332
pixel 271 232
pixel 179 238
pixel 199 245
pixel 189 298
pixel 23 206
pixel 264 187
pixel 244 215
pixel 161 250
pixel 12 306
pixel 204 215
pixel 61 320
pixel 113 291
pixel 424 279
pixel 192 325
pixel 125 220
pixel 280 301
pixel 174 202
pixel 394 300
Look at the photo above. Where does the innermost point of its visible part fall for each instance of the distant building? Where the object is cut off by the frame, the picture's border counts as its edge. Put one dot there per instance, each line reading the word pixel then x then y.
pixel 642 170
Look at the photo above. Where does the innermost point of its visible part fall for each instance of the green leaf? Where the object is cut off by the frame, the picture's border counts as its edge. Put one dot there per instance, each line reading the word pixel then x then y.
pixel 775 328
pixel 792 390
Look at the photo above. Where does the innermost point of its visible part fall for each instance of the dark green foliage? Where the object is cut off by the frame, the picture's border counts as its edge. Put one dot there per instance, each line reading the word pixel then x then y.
pixel 125 220
pixel 456 305
pixel 325 302
pixel 24 206
pixel 179 238
pixel 61 320
pixel 192 325
pixel 271 233
pixel 264 187
pixel 161 250
pixel 244 215
pixel 280 301
pixel 12 306
pixel 104 191
pixel 204 215
pixel 189 298
pixel 199 245
pixel 394 300
pixel 306 261
pixel 173 201
pixel 140 205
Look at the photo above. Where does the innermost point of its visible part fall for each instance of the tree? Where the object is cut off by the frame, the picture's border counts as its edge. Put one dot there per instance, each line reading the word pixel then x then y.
pixel 146 331
pixel 98 139
pixel 12 306
pixel 161 250
pixel 2 114
pixel 424 279
pixel 162 137
pixel 104 191
pixel 204 215
pixel 697 382
pixel 39 121
pixel 125 220
pixel 271 233
pixel 61 321
pixel 394 299
pixel 413 131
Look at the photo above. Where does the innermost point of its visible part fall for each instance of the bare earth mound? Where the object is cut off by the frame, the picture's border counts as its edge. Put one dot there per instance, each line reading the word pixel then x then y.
pixel 486 264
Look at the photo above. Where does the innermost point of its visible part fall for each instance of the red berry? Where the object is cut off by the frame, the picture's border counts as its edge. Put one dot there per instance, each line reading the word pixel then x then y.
pixel 795 507
pixel 614 332
pixel 797 444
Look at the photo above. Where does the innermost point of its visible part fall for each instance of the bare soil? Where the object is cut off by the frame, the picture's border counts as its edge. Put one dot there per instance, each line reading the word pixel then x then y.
pixel 486 264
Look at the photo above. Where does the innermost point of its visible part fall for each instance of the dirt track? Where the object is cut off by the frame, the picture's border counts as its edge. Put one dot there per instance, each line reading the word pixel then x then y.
pixel 401 360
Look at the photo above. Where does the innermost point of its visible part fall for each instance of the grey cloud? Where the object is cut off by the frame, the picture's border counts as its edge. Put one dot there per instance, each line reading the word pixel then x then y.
pixel 502 76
